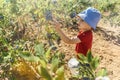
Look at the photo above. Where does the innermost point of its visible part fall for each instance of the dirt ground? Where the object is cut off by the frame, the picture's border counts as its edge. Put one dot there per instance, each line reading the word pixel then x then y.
pixel 106 45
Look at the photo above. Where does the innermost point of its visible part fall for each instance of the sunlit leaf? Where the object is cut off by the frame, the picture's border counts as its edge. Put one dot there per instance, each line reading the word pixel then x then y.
pixel 39 49
pixel 60 74
pixel 44 73
pixel 102 72
pixel 89 56
pixel 31 58
pixel 47 54
pixel 82 58
pixel 43 63
pixel 95 62
pixel 55 64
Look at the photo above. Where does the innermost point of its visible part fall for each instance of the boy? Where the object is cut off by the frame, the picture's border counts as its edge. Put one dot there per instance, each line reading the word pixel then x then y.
pixel 86 20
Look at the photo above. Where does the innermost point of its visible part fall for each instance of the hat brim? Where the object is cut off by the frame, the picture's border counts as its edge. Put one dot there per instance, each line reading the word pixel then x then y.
pixel 82 16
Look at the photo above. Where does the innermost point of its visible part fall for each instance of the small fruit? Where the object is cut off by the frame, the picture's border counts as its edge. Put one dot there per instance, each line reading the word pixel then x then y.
pixel 99 78
pixel 16 47
pixel 49 36
pixel 54 48
pixel 106 78
pixel 48 15
pixel 73 14
pixel 12 60
pixel 54 1
pixel 86 64
pixel 62 56
pixel 85 78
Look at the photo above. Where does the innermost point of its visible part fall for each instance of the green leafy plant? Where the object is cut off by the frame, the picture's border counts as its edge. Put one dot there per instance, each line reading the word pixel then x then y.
pixel 15 14
pixel 50 64
pixel 7 58
pixel 88 65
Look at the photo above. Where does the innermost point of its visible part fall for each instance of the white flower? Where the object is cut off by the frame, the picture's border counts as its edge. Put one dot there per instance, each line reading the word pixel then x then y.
pixel 73 63
pixel 99 78
pixel 106 78
pixel 102 78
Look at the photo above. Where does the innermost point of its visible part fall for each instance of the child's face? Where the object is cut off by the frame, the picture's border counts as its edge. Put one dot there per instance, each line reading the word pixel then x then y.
pixel 82 25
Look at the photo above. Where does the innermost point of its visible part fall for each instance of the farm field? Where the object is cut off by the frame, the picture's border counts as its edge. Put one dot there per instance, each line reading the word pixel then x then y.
pixel 31 49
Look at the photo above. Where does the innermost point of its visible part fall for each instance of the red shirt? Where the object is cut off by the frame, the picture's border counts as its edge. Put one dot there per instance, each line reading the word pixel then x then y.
pixel 86 42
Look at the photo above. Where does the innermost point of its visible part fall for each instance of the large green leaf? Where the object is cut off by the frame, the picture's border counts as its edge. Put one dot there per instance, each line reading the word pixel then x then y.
pixel 55 64
pixel 43 63
pixel 60 74
pixel 89 56
pixel 39 50
pixel 95 63
pixel 82 58
pixel 31 58
pixel 44 73
pixel 47 54
pixel 102 72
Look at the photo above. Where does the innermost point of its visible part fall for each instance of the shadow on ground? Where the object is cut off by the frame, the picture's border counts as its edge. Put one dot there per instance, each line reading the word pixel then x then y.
pixel 109 35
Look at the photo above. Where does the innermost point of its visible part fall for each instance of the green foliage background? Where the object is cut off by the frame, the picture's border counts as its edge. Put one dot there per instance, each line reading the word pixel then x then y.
pixel 19 51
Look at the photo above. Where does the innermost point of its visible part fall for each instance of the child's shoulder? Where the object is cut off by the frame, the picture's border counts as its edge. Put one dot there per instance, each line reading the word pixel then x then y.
pixel 85 33
pixel 88 31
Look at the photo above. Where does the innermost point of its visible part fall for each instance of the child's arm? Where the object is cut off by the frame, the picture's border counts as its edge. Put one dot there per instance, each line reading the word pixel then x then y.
pixel 63 36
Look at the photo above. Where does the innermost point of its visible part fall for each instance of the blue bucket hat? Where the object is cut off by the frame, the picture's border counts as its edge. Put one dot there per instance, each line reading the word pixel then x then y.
pixel 91 16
